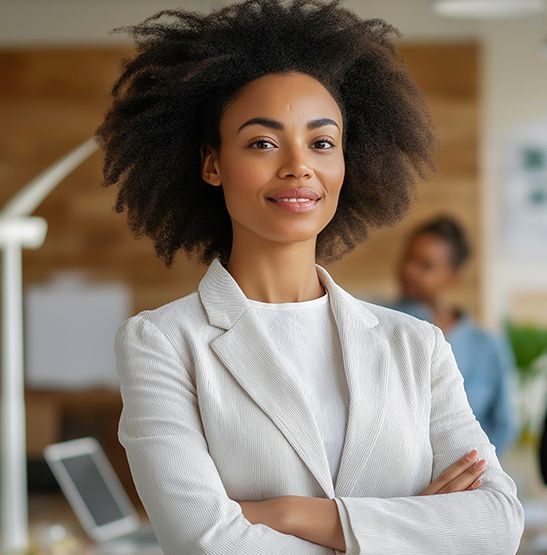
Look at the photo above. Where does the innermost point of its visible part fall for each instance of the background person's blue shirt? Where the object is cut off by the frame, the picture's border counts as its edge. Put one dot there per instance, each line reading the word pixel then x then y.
pixel 487 363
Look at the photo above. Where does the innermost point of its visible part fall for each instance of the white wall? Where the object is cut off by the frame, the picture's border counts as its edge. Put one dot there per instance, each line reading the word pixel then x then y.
pixel 515 96
pixel 514 88
pixel 84 21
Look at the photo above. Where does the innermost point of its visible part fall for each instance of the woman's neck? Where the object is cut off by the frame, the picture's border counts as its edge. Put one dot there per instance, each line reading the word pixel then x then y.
pixel 276 279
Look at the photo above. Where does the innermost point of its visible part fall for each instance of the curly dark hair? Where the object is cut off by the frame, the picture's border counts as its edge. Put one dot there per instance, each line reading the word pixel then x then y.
pixel 169 99
pixel 448 229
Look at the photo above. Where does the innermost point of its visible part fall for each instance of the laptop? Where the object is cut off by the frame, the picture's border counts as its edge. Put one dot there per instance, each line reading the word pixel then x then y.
pixel 98 498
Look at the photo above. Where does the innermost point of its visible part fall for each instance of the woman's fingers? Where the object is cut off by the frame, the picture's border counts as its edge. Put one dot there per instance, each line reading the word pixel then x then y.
pixel 475 484
pixel 459 476
pixel 465 479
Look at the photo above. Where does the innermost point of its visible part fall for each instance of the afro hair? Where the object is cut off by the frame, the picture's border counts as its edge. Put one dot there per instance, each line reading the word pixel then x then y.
pixel 170 96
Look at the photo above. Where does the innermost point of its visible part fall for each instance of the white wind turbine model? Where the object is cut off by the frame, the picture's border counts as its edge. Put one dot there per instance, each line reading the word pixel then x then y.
pixel 19 229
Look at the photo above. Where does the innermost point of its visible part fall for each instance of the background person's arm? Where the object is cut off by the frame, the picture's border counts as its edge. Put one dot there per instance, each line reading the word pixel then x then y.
pixel 503 425
pixel 488 520
pixel 174 474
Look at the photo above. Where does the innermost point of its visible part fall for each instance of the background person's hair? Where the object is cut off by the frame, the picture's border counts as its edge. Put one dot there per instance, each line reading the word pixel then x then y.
pixel 452 232
pixel 169 98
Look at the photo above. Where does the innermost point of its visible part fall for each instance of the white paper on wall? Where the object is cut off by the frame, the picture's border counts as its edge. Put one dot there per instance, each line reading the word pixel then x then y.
pixel 70 323
pixel 523 221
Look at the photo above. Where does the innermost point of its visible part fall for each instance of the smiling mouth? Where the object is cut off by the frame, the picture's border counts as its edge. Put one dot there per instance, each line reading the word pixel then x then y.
pixel 292 199
pixel 295 205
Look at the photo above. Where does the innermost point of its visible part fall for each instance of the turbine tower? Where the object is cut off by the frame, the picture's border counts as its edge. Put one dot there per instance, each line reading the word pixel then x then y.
pixel 19 229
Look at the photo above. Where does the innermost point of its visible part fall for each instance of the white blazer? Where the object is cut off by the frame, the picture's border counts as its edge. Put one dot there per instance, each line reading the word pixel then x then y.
pixel 210 417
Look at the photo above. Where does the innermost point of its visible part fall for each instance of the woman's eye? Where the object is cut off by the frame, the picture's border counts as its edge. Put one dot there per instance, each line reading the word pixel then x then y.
pixel 266 141
pixel 325 141
pixel 261 141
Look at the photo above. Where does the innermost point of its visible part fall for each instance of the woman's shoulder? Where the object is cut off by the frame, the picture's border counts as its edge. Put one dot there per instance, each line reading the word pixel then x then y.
pixel 400 327
pixel 183 309
pixel 176 320
pixel 392 317
pixel 157 337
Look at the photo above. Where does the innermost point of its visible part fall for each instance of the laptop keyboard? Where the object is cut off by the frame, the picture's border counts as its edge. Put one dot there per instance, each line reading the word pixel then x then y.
pixel 142 536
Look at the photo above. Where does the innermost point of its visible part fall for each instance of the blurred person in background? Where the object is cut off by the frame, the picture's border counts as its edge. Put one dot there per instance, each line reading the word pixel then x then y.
pixel 432 262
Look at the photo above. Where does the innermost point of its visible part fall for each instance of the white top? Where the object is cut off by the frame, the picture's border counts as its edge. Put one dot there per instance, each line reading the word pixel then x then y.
pixel 306 335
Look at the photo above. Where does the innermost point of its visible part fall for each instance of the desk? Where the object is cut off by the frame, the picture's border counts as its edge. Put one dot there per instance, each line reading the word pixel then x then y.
pixel 53 508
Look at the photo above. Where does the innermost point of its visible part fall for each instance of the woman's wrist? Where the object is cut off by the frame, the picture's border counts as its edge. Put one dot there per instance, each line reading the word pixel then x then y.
pixel 275 512
pixel 315 519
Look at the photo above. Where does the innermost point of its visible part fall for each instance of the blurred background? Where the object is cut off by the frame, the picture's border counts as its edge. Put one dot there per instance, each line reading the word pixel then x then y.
pixel 482 65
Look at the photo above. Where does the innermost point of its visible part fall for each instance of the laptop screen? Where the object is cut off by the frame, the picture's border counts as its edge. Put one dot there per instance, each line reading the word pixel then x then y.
pixel 93 488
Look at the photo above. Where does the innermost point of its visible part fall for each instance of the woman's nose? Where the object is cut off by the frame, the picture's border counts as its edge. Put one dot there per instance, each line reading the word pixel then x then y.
pixel 297 165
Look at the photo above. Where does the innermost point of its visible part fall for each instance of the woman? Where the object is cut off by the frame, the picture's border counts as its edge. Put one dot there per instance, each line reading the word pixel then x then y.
pixel 270 411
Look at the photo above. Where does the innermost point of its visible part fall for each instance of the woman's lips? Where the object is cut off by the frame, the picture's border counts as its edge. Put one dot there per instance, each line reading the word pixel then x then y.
pixel 295 206
pixel 300 192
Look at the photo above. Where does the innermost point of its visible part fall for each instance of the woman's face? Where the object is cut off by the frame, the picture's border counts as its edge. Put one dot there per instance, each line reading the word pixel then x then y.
pixel 282 132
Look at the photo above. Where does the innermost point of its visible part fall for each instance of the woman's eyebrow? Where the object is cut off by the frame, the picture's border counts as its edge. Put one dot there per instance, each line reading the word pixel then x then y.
pixel 274 124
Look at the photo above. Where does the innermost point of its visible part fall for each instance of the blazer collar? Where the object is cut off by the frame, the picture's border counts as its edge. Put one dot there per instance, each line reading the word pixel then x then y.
pixel 251 355
pixel 225 302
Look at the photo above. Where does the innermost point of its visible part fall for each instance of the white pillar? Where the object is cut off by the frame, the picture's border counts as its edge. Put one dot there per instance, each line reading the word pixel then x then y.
pixel 13 510
pixel 19 229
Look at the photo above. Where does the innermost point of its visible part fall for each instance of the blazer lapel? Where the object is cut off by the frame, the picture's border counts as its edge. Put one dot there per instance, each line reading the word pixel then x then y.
pixel 252 357
pixel 367 362
pixel 254 360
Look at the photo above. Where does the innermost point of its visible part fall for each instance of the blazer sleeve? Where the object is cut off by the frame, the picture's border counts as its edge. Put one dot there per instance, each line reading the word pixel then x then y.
pixel 174 474
pixel 488 520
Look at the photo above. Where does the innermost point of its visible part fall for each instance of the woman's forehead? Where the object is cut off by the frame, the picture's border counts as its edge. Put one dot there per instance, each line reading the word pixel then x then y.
pixel 289 99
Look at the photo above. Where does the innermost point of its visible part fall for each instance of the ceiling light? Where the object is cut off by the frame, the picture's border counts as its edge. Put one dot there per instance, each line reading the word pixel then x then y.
pixel 487 8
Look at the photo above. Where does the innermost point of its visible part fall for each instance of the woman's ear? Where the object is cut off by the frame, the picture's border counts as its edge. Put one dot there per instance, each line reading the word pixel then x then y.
pixel 209 166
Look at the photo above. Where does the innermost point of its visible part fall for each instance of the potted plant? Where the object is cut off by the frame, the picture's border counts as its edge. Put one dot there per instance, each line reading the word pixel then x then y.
pixel 528 343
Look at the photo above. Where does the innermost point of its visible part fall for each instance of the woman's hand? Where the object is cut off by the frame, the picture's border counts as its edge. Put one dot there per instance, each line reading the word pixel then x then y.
pixel 463 475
